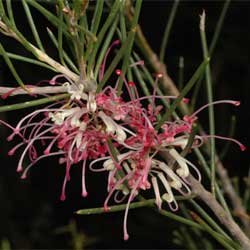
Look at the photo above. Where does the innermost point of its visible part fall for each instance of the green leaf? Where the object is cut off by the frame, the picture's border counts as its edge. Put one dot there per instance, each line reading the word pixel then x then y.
pixel 167 30
pixel 32 25
pixel 11 67
pixel 93 48
pixel 33 103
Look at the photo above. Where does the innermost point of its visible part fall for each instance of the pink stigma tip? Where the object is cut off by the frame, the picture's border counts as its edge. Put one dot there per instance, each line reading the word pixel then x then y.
pixel 116 42
pixel 237 103
pixel 52 82
pixel 63 197
pixel 131 84
pixel 242 147
pixel 126 236
pixel 11 152
pixel 118 72
pixel 84 194
pixel 159 75
pixel 10 138
pixel 106 208
pixel 4 96
pixel 186 100
pixel 46 151
pixel 19 169
pixel 24 176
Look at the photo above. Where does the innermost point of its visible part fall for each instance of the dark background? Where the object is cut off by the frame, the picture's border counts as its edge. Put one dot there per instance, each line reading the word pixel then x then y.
pixel 31 214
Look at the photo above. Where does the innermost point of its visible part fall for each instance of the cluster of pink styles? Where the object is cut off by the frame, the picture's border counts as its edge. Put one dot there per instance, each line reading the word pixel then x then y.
pixel 106 133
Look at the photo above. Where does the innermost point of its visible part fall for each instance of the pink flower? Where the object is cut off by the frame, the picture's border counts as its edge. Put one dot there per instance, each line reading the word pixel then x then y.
pixel 103 127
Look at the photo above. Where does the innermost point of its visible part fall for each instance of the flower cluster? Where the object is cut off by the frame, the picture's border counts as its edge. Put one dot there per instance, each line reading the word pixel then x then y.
pixel 91 128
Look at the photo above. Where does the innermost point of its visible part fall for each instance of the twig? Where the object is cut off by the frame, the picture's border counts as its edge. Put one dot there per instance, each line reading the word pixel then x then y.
pixel 219 212
pixel 236 202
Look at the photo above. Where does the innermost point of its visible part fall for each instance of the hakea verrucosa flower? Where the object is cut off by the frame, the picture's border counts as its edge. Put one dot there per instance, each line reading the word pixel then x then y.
pixel 104 127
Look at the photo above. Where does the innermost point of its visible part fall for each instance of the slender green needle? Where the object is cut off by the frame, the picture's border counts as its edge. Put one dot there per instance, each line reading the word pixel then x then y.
pixel 112 150
pixel 209 219
pixel 32 25
pixel 60 37
pixel 105 47
pixel 228 244
pixel 211 49
pixel 117 208
pixel 2 11
pixel 11 67
pixel 29 60
pixel 130 42
pixel 209 88
pixel 219 27
pixel 180 219
pixel 91 35
pixel 33 103
pixel 92 50
pixel 97 16
pixel 167 30
pixel 52 18
pixel 123 22
pixel 65 55
pixel 10 13
pixel 181 73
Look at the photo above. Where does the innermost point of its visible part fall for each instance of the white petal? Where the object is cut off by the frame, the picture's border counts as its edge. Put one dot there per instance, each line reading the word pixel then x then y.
pixel 183 171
